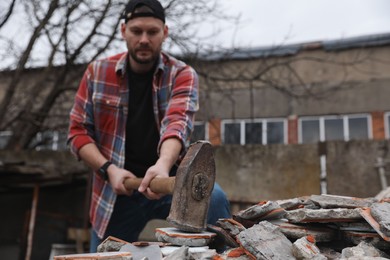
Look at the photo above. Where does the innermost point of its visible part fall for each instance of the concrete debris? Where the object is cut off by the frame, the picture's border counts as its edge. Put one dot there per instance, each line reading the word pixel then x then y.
pixel 265 241
pixel 323 215
pixel 261 211
pixel 230 225
pixel 312 227
pixel 202 252
pixel 373 239
pixel 224 238
pixel 366 213
pixel 330 253
pixel 321 233
pixel 305 248
pixel 381 213
pixel 179 254
pixel 383 194
pixel 363 249
pixel 291 204
pixel 332 201
pixel 139 252
pixel 354 226
pixel 96 256
pixel 111 244
pixel 181 238
pixel 234 254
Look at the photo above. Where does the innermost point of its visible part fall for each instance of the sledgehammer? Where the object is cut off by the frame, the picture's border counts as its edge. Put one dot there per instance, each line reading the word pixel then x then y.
pixel 191 188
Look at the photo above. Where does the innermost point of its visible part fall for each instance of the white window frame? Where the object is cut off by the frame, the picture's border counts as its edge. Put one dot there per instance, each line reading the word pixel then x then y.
pixel 263 121
pixel 345 119
pixel 55 139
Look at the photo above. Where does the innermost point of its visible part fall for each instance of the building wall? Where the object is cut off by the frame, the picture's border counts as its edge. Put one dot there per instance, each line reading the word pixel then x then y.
pixel 347 82
pixel 313 82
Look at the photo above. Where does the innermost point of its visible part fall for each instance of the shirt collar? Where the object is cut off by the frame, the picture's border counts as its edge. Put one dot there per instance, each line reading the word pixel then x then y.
pixel 121 64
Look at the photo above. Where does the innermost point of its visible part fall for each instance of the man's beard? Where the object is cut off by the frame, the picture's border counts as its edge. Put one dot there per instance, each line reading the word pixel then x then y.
pixel 152 59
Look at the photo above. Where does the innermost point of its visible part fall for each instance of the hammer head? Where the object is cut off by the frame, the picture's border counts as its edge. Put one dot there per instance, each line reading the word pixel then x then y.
pixel 194 183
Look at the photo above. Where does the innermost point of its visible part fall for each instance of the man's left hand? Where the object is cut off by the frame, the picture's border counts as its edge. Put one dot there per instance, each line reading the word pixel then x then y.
pixel 159 170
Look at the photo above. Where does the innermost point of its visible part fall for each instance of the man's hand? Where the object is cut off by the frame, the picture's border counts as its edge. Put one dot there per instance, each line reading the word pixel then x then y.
pixel 169 153
pixel 156 171
pixel 116 177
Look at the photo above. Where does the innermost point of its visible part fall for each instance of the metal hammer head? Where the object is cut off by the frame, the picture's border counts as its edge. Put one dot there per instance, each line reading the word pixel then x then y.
pixel 194 183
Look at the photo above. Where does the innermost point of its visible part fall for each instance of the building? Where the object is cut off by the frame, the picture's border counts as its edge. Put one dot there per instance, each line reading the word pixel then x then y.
pixel 302 93
pixel 288 94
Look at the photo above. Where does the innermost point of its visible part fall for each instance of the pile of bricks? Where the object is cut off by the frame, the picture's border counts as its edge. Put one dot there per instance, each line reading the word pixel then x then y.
pixel 314 227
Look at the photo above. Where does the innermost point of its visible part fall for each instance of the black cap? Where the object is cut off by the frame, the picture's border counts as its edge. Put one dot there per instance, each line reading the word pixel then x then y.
pixel 156 10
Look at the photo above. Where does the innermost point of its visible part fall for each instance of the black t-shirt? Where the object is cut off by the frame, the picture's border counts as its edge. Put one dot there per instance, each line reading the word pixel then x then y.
pixel 142 135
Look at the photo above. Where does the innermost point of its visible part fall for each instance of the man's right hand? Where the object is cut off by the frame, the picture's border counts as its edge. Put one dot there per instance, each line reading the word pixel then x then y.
pixel 116 177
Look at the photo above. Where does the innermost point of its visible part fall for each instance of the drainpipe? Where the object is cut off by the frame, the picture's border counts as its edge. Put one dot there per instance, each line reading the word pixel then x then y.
pixel 322 151
pixel 380 165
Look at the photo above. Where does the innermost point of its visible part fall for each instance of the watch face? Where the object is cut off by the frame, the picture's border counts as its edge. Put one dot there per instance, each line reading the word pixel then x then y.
pixel 103 172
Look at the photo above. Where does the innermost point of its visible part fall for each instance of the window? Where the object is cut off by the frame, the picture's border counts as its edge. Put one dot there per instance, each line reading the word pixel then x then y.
pixel 310 130
pixel 199 132
pixel 334 129
pixel 358 128
pixel 232 133
pixel 49 140
pixel 4 138
pixel 255 131
pixel 330 128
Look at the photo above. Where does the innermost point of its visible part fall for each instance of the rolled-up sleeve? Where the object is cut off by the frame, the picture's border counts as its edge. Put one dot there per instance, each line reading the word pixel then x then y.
pixel 81 126
pixel 184 102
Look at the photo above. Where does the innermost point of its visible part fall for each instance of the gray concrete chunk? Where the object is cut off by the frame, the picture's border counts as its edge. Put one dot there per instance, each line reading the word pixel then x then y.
pixel 381 213
pixel 323 215
pixel 179 254
pixel 363 249
pixel 262 210
pixel 230 225
pixel 305 248
pixel 265 241
pixel 290 204
pixel 181 238
pixel 383 194
pixel 333 201
pixel 293 231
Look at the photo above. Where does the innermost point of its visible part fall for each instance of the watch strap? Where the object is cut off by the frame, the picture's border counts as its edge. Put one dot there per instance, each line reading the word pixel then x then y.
pixel 103 170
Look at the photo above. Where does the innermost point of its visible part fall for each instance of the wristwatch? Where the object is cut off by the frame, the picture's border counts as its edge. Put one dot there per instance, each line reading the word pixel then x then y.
pixel 103 170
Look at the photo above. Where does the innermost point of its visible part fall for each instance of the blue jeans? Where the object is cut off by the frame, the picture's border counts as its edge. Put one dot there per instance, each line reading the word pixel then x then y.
pixel 131 214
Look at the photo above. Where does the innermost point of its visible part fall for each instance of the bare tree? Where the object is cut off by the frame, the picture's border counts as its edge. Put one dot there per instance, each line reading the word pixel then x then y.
pixel 7 9
pixel 67 34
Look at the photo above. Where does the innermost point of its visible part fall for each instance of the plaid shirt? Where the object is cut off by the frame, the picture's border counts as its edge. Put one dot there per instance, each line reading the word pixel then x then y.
pixel 99 116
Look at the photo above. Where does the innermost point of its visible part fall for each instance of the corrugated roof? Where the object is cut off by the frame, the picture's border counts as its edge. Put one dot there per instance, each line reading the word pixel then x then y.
pixel 357 42
pixel 292 49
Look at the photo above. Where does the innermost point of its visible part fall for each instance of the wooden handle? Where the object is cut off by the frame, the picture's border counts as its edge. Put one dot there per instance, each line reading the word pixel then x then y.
pixel 157 185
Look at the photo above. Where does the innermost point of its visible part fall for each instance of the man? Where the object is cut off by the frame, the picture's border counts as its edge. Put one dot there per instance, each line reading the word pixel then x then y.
pixel 132 117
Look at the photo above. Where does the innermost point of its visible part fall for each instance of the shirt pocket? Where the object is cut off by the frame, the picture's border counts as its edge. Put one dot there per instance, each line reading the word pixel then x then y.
pixel 108 110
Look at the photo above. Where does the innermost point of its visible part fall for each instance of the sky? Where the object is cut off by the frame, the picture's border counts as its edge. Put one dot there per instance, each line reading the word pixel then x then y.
pixel 274 22
pixel 277 22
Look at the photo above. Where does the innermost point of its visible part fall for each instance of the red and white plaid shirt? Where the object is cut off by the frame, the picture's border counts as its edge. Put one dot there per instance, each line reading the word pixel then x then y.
pixel 100 111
